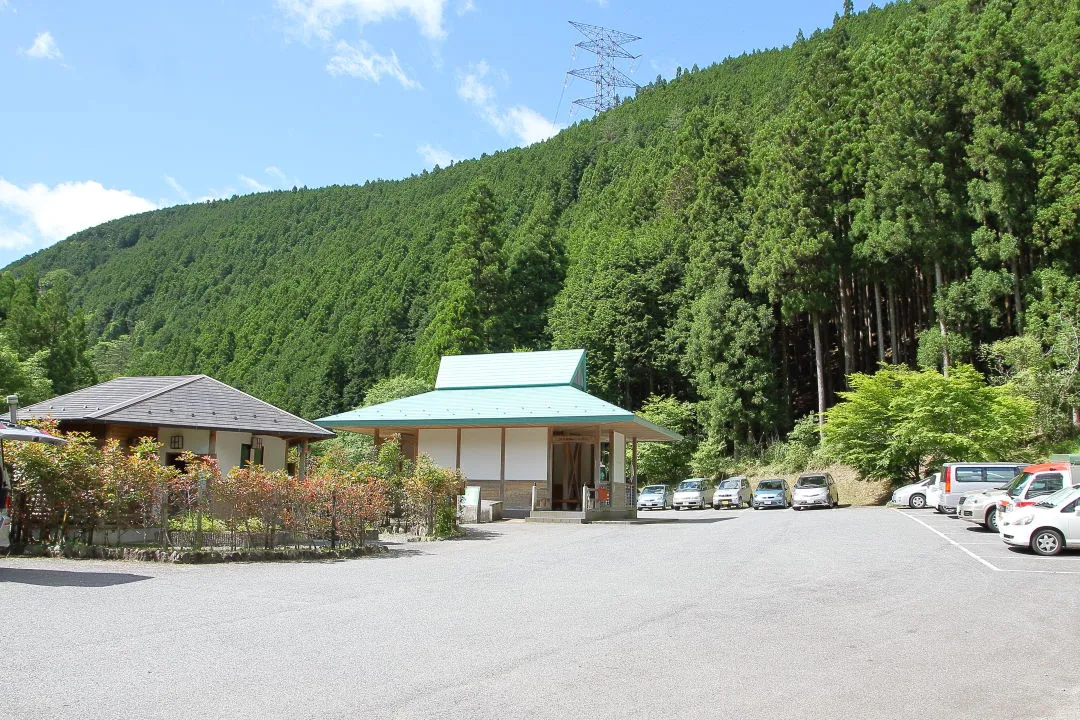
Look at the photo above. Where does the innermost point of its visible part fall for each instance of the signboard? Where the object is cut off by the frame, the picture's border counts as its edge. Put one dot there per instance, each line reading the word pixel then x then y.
pixel 472 496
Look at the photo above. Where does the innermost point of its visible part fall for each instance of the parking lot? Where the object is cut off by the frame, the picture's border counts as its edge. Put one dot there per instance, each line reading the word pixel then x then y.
pixel 854 612
pixel 986 547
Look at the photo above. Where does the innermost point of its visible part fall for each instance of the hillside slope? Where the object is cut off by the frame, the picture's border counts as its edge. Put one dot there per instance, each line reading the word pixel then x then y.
pixel 908 171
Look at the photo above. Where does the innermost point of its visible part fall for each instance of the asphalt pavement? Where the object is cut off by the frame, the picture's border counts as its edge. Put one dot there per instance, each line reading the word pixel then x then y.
pixel 847 613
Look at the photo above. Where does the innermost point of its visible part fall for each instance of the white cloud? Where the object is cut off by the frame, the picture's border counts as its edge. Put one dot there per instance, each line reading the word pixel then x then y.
pixel 277 174
pixel 520 121
pixel 37 216
pixel 464 7
pixel 14 240
pixel 471 87
pixel 178 188
pixel 363 61
pixel 320 18
pixel 529 125
pixel 44 48
pixel 435 156
pixel 254 185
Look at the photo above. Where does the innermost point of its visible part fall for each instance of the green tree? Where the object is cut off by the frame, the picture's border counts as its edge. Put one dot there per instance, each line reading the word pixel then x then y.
pixel 667 462
pixel 536 266
pixel 896 423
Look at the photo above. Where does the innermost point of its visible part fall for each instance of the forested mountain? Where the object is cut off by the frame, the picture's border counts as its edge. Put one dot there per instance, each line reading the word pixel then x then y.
pixel 902 187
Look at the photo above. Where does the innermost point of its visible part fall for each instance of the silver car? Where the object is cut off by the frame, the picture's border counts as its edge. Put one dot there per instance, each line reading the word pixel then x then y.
pixel 815 490
pixel 733 492
pixel 654 497
pixel 772 492
pixel 692 493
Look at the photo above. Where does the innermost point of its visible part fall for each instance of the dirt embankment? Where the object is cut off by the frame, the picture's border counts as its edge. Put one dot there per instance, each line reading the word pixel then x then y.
pixel 852 489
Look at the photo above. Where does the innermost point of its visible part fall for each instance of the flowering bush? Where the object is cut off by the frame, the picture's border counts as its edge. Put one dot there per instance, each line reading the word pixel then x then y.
pixel 433 490
pixel 85 487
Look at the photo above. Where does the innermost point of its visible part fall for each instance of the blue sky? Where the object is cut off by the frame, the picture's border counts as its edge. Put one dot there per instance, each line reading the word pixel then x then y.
pixel 121 106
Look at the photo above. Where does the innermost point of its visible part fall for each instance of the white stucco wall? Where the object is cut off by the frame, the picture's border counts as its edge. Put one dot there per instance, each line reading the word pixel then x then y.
pixel 228 449
pixel 481 453
pixel 226 446
pixel 527 454
pixel 196 441
pixel 440 445
pixel 274 452
pixel 618 458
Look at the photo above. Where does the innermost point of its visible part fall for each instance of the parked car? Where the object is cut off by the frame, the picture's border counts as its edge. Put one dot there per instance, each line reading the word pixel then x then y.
pixel 815 490
pixel 654 497
pixel 733 492
pixel 1047 527
pixel 1035 481
pixel 5 510
pixel 960 477
pixel 772 492
pixel 914 495
pixel 692 493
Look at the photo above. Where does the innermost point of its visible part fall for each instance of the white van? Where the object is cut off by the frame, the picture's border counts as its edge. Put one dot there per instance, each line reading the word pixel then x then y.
pixel 958 478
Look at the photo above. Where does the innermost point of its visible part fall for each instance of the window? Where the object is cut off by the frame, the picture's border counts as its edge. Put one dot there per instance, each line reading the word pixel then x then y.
pixel 968 474
pixel 1045 483
pixel 1071 507
pixel 1017 485
pixel 1001 476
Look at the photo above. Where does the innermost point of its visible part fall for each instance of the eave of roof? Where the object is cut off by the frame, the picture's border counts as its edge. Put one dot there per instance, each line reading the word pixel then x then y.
pixel 156 407
pixel 506 406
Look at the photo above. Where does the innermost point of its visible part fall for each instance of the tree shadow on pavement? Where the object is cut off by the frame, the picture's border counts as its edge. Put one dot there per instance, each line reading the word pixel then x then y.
pixel 67 578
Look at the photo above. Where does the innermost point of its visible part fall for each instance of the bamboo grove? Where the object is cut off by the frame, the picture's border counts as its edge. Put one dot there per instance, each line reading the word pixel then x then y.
pixel 900 188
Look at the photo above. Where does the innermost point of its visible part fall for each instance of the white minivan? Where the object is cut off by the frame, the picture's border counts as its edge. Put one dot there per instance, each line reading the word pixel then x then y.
pixel 958 478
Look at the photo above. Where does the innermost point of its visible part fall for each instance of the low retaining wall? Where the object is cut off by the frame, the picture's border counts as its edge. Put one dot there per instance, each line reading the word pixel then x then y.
pixel 99 552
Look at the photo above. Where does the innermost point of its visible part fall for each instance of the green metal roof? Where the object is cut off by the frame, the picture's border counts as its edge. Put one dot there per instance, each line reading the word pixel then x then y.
pixel 543 405
pixel 522 369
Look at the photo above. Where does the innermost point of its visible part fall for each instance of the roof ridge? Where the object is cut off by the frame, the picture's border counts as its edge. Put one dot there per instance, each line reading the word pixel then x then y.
pixel 187 380
pixel 263 402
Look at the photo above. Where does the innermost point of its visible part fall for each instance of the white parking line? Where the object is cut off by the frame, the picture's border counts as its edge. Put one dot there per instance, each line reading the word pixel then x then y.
pixel 950 540
pixel 985 562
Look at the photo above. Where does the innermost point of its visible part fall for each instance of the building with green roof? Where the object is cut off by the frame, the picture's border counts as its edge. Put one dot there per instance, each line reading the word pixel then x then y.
pixel 523 428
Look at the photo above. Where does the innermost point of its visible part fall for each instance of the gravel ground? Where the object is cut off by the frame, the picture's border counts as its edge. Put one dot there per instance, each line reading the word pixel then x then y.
pixel 857 613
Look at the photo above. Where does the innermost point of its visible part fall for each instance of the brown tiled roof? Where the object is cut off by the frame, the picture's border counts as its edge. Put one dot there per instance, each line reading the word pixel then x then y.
pixel 197 401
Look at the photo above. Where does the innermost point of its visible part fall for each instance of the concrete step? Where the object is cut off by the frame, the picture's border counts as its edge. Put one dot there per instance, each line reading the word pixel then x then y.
pixel 556 516
pixel 573 521
pixel 558 513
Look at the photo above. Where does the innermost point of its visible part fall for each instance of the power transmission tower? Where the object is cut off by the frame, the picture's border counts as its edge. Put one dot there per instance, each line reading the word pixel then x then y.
pixel 608 47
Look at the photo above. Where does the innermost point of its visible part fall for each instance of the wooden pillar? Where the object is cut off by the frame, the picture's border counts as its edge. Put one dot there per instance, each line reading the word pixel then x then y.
pixel 502 454
pixel 378 440
pixel 596 457
pixel 301 469
pixel 550 459
pixel 633 462
pixel 457 462
pixel 213 445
